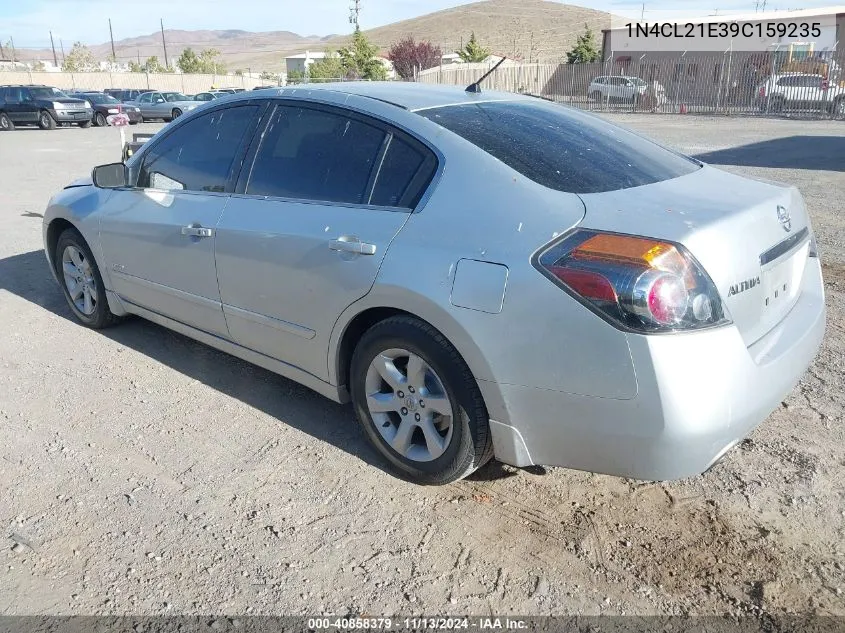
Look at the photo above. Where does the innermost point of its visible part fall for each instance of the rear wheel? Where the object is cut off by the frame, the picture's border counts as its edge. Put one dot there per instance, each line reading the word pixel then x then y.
pixel 596 95
pixel 81 281
pixel 85 124
pixel 45 121
pixel 839 108
pixel 100 120
pixel 6 124
pixel 776 105
pixel 418 402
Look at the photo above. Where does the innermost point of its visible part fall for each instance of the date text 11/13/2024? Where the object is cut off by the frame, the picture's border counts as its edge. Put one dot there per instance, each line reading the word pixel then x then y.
pixel 417 624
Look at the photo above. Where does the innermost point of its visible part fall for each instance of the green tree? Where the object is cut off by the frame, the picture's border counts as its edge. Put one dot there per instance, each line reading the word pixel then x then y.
pixel 152 65
pixel 266 75
pixel 330 67
pixel 79 59
pixel 360 59
pixel 473 52
pixel 135 67
pixel 239 72
pixel 39 67
pixel 206 62
pixel 294 77
pixel 585 50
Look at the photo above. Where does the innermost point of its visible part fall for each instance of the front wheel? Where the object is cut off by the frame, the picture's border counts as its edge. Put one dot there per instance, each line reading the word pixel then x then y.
pixel 596 95
pixel 839 108
pixel 81 281
pixel 175 114
pixel 418 402
pixel 100 120
pixel 6 124
pixel 85 124
pixel 45 121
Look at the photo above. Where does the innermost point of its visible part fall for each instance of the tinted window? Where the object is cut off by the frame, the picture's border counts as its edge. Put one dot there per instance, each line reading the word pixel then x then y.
pixel 198 155
pixel 788 81
pixel 145 98
pixel 315 155
pixel 404 175
pixel 562 148
pixel 47 93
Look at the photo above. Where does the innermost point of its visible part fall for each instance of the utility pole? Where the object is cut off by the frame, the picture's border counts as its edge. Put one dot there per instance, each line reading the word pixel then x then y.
pixel 62 48
pixel 164 44
pixel 642 13
pixel 14 54
pixel 139 56
pixel 354 13
pixel 111 34
pixel 53 46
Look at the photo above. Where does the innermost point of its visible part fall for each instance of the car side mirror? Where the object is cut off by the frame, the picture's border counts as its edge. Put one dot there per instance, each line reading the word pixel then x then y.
pixel 111 176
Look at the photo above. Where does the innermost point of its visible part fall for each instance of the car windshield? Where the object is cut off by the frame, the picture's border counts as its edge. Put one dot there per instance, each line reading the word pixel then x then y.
pixel 96 97
pixel 47 93
pixel 170 97
pixel 562 148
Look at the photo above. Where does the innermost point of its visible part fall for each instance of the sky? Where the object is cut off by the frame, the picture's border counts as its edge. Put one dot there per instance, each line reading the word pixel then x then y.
pixel 30 21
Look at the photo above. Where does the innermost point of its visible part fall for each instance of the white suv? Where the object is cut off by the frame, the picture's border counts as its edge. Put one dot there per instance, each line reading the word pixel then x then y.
pixel 801 91
pixel 616 88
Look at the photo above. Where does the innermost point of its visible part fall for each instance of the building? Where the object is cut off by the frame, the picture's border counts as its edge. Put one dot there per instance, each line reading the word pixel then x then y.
pixel 300 63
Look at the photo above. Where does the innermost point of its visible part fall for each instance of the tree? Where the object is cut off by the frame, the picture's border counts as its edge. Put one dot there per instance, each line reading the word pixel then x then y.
pixel 295 77
pixel 239 72
pixel 39 67
pixel 585 50
pixel 79 59
pixel 206 62
pixel 473 52
pixel 135 67
pixel 410 57
pixel 152 65
pixel 330 67
pixel 360 59
pixel 268 76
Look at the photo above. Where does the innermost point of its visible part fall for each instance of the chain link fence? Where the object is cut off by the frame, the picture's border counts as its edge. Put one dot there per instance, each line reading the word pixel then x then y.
pixel 730 84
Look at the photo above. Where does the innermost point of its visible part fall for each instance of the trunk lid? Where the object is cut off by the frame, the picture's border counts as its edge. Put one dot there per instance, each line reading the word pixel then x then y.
pixel 751 237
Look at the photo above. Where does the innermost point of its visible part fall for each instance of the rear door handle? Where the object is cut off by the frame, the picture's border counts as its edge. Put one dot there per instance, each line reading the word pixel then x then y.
pixel 197 231
pixel 347 244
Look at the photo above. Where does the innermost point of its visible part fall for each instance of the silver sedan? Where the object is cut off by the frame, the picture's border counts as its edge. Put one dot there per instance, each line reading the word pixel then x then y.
pixel 479 274
pixel 164 105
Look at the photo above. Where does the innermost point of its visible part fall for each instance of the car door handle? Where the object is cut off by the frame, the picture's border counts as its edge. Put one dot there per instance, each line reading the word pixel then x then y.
pixel 352 245
pixel 197 231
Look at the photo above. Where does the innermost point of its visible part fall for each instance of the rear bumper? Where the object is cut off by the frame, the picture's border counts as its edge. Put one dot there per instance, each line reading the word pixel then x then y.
pixel 698 395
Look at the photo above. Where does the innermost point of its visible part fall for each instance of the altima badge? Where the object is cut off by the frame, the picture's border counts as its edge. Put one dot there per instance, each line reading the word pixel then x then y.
pixel 785 219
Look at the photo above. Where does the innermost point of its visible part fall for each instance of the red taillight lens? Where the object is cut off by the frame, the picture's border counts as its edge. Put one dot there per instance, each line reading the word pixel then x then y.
pixel 762 91
pixel 638 283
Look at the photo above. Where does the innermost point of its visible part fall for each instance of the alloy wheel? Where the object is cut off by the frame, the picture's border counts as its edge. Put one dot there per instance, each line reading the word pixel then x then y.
pixel 79 280
pixel 409 405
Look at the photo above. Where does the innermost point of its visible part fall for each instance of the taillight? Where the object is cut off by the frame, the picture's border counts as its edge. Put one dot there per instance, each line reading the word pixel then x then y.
pixel 763 90
pixel 638 283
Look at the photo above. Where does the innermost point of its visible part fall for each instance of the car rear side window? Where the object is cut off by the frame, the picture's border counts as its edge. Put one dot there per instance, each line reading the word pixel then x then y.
pixel 562 148
pixel 198 155
pixel 404 174
pixel 312 154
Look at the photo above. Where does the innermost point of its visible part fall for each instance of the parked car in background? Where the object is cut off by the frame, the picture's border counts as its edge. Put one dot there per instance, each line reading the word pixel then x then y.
pixel 42 106
pixel 374 241
pixel 124 95
pixel 105 105
pixel 204 96
pixel 265 87
pixel 617 88
pixel 164 105
pixel 801 92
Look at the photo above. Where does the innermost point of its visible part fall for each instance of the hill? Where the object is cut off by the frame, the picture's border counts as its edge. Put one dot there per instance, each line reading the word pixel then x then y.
pixel 533 30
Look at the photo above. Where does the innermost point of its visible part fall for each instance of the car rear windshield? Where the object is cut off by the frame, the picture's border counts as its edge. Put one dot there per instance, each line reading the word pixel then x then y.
pixel 562 148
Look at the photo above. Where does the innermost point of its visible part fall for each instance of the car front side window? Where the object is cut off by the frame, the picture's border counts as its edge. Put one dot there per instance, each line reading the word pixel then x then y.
pixel 198 156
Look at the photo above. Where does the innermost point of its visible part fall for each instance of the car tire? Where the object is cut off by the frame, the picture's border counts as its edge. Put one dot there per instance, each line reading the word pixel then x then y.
pixel 175 114
pixel 6 124
pixel 838 110
pixel 46 121
pixel 81 282
pixel 85 124
pixel 100 120
pixel 776 105
pixel 432 446
pixel 596 95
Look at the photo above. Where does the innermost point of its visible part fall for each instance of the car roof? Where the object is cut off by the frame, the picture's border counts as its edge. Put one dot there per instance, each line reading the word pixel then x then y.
pixel 407 95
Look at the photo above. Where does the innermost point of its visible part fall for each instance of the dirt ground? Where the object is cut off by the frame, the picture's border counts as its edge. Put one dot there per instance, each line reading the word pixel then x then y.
pixel 144 473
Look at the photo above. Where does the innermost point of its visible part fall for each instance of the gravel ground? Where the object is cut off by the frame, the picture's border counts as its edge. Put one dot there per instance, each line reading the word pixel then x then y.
pixel 143 473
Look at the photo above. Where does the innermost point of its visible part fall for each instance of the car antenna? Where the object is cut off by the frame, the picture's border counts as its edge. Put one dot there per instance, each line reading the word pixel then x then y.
pixel 476 87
